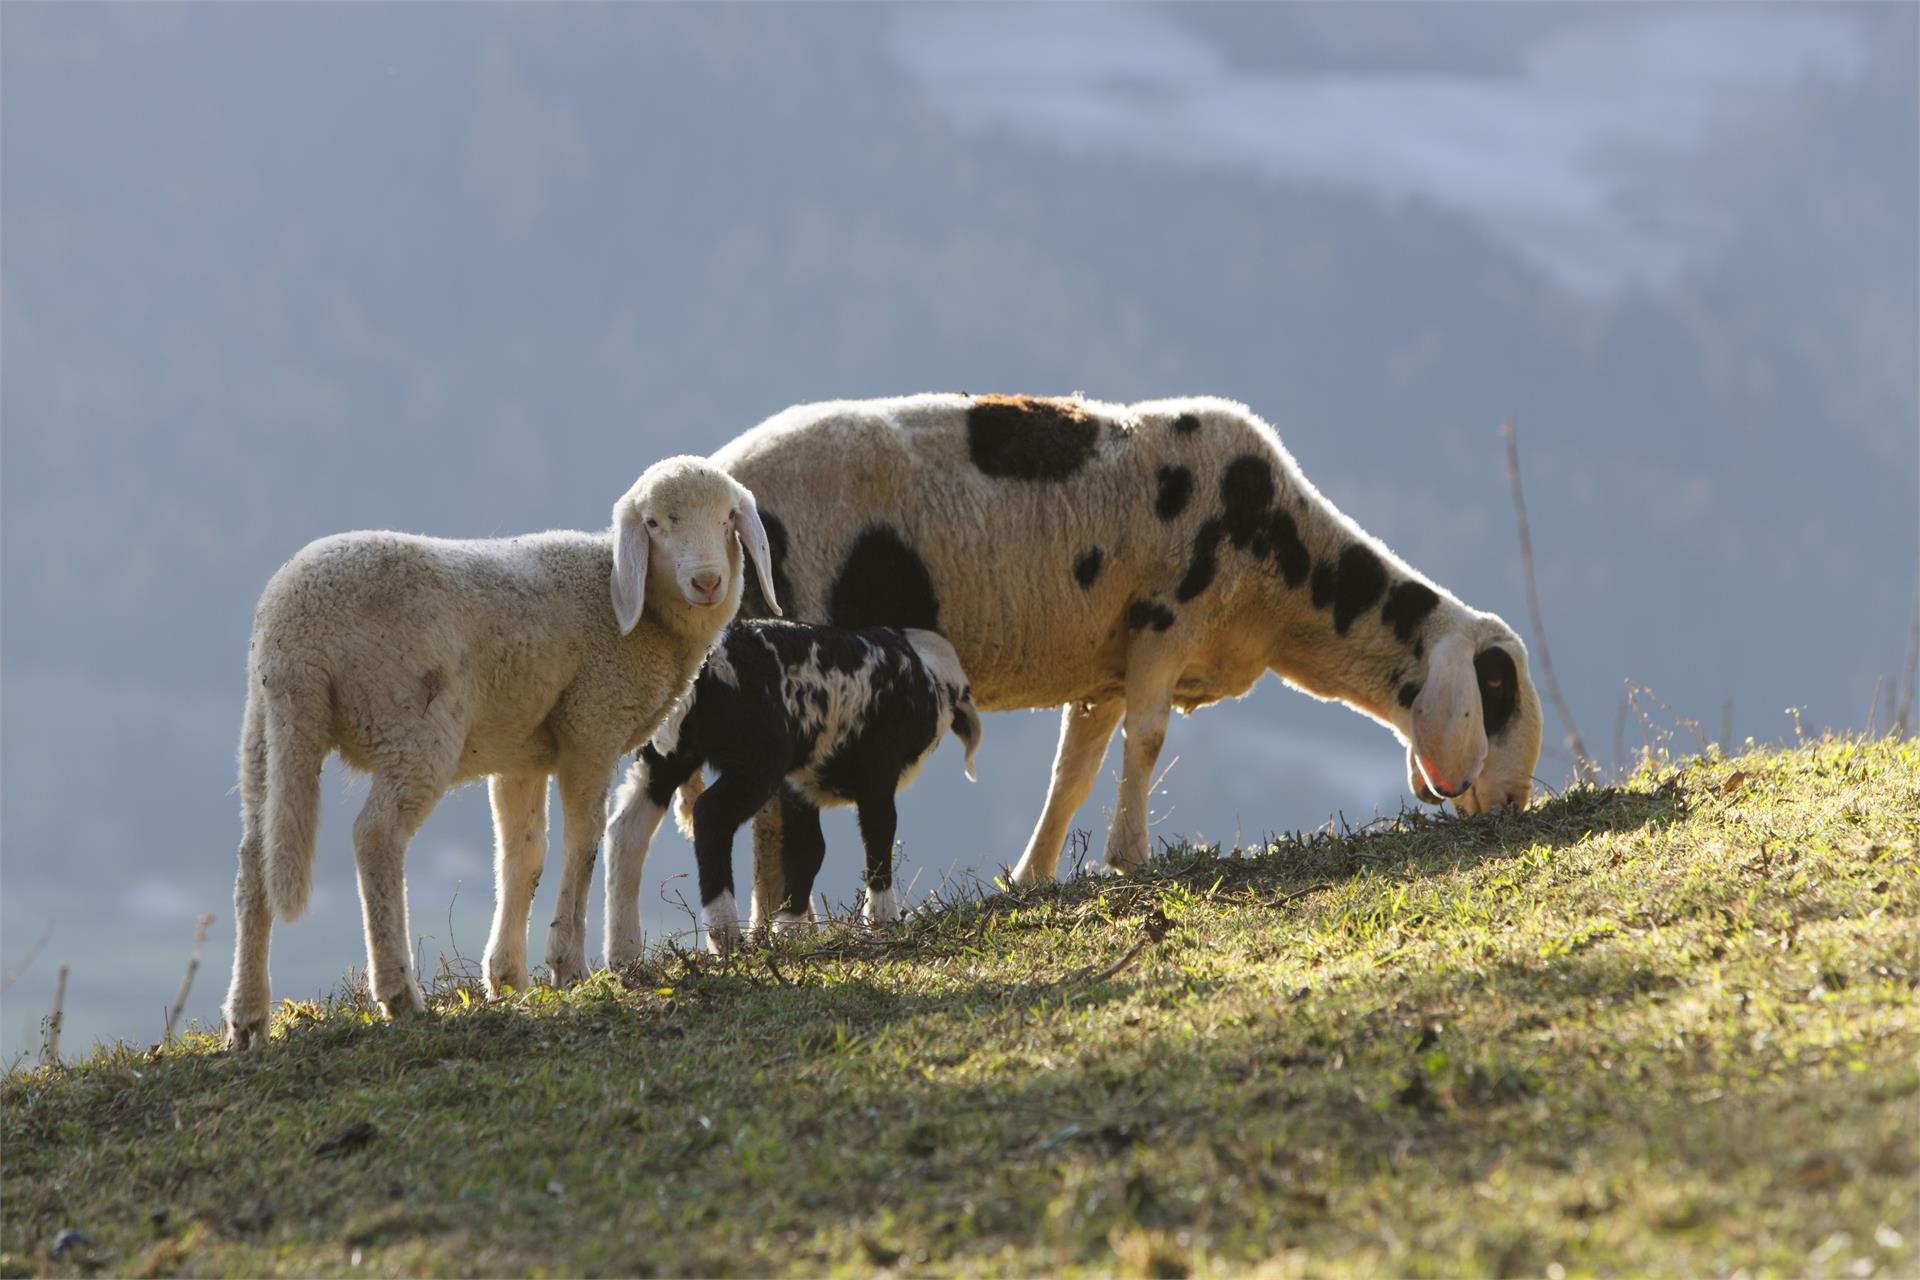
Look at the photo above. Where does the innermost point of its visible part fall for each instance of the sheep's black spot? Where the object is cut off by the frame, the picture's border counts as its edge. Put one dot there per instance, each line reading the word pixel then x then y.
pixel 1352 586
pixel 1146 613
pixel 1288 550
pixel 1086 566
pixel 1408 692
pixel 1362 581
pixel 1246 493
pixel 883 582
pixel 1176 486
pixel 752 603
pixel 1187 423
pixel 1205 562
pixel 1407 606
pixel 1499 683
pixel 1021 438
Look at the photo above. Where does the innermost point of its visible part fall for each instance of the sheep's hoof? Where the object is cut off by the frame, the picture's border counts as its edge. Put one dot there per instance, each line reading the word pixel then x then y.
pixel 408 1004
pixel 568 972
pixel 246 1034
pixel 502 981
pixel 882 907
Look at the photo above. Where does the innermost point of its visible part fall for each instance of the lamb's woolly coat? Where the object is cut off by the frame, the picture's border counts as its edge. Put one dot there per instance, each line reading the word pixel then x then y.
pixel 427 662
pixel 1121 560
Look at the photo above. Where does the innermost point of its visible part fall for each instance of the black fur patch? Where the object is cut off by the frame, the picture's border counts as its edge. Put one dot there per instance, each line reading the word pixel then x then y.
pixel 1289 551
pixel 1205 562
pixel 1021 438
pixel 883 582
pixel 1087 565
pixel 1407 606
pixel 1499 683
pixel 1408 692
pixel 1246 494
pixel 1186 424
pixel 752 603
pixel 1176 487
pixel 1352 587
pixel 1142 614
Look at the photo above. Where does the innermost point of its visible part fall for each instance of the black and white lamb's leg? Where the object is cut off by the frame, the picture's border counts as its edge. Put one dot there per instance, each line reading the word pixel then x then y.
pixel 582 784
pixel 803 848
pixel 519 851
pixel 1152 667
pixel 878 822
pixel 641 803
pixel 717 814
pixel 1085 730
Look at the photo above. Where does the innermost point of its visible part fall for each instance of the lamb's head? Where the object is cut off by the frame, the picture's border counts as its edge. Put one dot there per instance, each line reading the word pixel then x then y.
pixel 680 529
pixel 1473 732
pixel 953 695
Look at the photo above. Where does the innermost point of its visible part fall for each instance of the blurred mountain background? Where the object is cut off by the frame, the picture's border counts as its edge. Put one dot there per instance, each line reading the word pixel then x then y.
pixel 268 273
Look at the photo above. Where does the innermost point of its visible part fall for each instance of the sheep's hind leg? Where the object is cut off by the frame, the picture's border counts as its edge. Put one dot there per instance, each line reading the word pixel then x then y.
pixel 399 801
pixel 769 851
pixel 1149 703
pixel 1085 730
pixel 878 821
pixel 583 800
pixel 519 852
pixel 249 999
pixel 641 804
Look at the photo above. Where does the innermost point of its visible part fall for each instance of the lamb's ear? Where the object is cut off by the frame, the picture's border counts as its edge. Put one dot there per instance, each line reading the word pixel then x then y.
pixel 1447 734
pixel 753 536
pixel 966 727
pixel 630 547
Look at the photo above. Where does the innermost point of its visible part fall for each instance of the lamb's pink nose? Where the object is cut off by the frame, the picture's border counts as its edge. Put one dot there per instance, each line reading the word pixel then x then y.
pixel 708 582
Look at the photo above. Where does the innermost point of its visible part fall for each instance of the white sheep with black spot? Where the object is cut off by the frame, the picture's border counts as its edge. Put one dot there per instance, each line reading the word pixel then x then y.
pixel 1121 561
pixel 836 717
pixel 428 662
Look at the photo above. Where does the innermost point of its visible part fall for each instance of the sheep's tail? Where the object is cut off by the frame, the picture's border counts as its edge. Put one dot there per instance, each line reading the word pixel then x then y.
pixel 683 801
pixel 292 810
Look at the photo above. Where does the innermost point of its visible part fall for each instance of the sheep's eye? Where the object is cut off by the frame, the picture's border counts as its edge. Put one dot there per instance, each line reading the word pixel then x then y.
pixel 652 523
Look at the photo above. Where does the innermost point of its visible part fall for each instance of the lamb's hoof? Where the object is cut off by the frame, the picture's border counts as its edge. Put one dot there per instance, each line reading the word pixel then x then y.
pixel 502 982
pixel 882 907
pixel 568 972
pixel 790 922
pixel 410 1003
pixel 246 1034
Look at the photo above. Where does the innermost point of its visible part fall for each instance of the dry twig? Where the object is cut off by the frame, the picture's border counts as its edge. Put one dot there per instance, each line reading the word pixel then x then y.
pixel 1583 763
pixel 50 1047
pixel 186 982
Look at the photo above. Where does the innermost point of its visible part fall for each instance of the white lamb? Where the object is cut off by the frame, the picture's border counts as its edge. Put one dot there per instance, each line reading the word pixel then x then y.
pixel 1121 561
pixel 429 662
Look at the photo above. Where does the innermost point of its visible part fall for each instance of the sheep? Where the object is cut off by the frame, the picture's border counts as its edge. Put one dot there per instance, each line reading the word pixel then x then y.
pixel 1119 562
pixel 428 662
pixel 841 717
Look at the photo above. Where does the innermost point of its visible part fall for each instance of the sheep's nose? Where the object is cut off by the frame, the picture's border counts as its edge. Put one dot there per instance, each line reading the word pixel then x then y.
pixel 707 581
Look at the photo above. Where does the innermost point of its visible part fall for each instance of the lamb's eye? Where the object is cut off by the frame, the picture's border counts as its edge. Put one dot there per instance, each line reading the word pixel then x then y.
pixel 652 523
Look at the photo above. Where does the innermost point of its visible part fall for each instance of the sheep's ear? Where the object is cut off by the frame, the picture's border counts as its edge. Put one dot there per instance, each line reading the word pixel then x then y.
pixel 1447 733
pixel 630 547
pixel 753 536
pixel 966 727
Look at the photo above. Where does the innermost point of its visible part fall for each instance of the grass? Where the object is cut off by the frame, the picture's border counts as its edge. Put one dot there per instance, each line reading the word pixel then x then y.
pixel 1667 1028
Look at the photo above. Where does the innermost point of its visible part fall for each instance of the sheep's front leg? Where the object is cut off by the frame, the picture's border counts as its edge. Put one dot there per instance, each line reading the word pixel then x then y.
pixel 1085 729
pixel 1150 675
pixel 717 814
pixel 583 812
pixel 638 808
pixel 519 851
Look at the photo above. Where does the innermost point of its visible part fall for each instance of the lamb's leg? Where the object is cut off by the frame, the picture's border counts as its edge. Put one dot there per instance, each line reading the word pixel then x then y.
pixel 802 852
pixel 1149 702
pixel 519 852
pixel 399 801
pixel 878 822
pixel 638 808
pixel 249 999
pixel 769 853
pixel 1085 728
pixel 717 814
pixel 583 810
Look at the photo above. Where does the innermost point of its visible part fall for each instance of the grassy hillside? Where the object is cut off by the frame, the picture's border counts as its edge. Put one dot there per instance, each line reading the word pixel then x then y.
pixel 1669 1028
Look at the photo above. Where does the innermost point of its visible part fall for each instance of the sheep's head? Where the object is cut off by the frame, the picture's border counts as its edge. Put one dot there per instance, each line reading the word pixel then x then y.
pixel 1473 734
pixel 681 528
pixel 951 689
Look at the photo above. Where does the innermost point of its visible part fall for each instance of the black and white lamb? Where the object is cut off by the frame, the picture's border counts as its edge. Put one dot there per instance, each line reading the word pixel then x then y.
pixel 842 717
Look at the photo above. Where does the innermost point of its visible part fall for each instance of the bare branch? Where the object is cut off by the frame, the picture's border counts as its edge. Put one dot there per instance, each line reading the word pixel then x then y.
pixel 1583 763
pixel 50 1046
pixel 13 974
pixel 186 983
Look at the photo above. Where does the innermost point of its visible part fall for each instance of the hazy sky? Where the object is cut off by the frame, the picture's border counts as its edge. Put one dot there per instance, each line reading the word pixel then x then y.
pixel 269 272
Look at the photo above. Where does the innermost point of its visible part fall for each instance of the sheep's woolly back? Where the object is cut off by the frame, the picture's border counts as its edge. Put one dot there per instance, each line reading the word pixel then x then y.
pixel 1041 536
